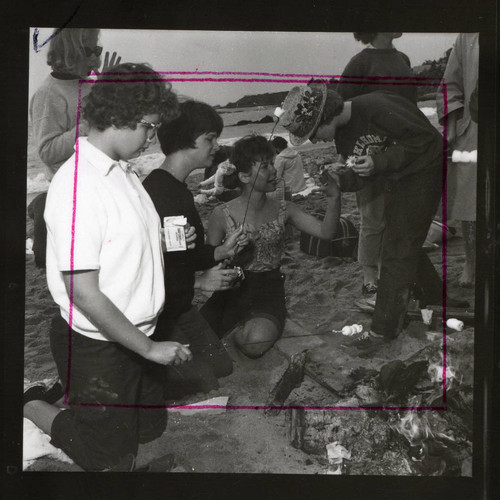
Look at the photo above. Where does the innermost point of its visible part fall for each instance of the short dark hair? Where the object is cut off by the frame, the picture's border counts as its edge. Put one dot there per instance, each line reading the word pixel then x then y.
pixel 279 143
pixel 365 38
pixel 334 105
pixel 250 149
pixel 195 118
pixel 125 94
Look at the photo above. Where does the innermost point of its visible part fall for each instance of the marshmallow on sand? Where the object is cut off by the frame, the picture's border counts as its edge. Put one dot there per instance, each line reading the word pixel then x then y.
pixel 350 330
pixel 455 324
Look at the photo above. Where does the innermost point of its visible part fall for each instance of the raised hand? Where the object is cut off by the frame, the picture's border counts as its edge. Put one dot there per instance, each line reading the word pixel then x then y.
pixel 332 187
pixel 109 63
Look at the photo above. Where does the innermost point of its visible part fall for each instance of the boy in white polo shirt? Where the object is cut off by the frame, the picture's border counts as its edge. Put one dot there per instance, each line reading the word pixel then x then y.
pixel 105 271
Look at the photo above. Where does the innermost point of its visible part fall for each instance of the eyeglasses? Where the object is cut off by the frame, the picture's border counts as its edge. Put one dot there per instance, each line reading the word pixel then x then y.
pixel 152 128
pixel 97 50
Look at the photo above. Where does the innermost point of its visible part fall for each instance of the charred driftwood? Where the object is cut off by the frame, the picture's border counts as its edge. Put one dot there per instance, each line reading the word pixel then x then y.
pixel 292 378
pixel 399 442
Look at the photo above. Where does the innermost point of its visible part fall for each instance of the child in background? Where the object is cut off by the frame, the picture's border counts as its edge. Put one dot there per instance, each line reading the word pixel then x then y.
pixel 259 301
pixel 73 55
pixel 105 271
pixel 288 165
pixel 223 169
pixel 379 59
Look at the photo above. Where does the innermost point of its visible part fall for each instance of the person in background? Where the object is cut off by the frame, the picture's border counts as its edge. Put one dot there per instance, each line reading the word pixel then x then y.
pixel 189 142
pixel 384 135
pixel 73 55
pixel 369 70
pixel 259 300
pixel 461 78
pixel 229 180
pixel 105 271
pixel 224 169
pixel 288 165
pixel 366 72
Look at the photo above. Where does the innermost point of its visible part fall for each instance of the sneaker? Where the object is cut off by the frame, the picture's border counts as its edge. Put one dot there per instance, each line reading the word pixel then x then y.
pixel 369 290
pixel 366 304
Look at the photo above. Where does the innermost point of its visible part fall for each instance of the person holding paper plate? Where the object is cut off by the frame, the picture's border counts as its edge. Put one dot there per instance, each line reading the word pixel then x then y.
pixel 190 142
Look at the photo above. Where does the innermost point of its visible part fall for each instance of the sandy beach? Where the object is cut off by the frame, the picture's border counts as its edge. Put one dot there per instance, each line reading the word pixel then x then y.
pixel 320 298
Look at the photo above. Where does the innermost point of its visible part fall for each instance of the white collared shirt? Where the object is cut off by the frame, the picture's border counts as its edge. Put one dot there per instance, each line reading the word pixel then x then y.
pixel 99 216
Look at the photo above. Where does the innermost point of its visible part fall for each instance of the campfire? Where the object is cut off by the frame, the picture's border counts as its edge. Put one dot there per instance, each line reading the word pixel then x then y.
pixel 426 430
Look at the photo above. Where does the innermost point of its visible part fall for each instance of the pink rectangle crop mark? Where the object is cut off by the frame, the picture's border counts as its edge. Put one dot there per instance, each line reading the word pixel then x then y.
pixel 297 78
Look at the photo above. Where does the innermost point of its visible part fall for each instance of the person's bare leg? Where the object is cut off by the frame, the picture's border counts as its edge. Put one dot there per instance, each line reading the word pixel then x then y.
pixel 257 337
pixel 469 235
pixel 42 414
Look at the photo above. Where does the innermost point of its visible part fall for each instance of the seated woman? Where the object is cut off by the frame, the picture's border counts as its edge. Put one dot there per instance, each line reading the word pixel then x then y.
pixel 259 301
pixel 189 142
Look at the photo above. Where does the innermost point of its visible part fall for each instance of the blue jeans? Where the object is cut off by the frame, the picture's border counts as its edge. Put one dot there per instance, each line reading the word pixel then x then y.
pixel 410 205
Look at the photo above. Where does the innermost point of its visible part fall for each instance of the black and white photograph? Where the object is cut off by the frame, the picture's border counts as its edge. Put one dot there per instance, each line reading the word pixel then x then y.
pixel 255 253
pixel 295 293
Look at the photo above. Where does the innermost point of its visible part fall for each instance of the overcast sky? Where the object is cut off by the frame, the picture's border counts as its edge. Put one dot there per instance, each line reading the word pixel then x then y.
pixel 253 51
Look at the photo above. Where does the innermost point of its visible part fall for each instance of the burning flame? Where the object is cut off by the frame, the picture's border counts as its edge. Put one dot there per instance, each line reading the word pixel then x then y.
pixel 414 428
pixel 435 371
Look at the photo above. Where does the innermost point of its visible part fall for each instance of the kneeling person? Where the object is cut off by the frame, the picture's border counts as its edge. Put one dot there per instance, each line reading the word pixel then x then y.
pixel 189 143
pixel 104 270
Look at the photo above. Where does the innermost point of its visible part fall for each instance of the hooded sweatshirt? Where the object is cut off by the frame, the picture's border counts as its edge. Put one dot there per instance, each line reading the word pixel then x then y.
pixel 288 164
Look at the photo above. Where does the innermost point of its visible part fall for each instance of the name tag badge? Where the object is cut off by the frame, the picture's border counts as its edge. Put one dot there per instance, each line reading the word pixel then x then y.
pixel 175 237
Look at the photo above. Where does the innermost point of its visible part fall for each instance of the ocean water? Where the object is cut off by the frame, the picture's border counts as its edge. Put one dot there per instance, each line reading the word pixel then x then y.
pixel 37 183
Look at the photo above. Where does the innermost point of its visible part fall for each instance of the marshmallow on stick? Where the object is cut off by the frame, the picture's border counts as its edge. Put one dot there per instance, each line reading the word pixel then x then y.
pixel 278 112
pixel 464 156
pixel 349 330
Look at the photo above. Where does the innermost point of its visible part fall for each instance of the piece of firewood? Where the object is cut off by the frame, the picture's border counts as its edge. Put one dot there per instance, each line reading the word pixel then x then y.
pixel 291 379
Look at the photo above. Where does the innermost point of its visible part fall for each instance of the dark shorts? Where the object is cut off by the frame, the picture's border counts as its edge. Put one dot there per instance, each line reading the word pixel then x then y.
pixel 107 384
pixel 210 359
pixel 260 295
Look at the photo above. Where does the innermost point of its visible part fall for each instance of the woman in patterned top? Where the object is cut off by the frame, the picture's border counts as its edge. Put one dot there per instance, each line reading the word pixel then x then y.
pixel 259 301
